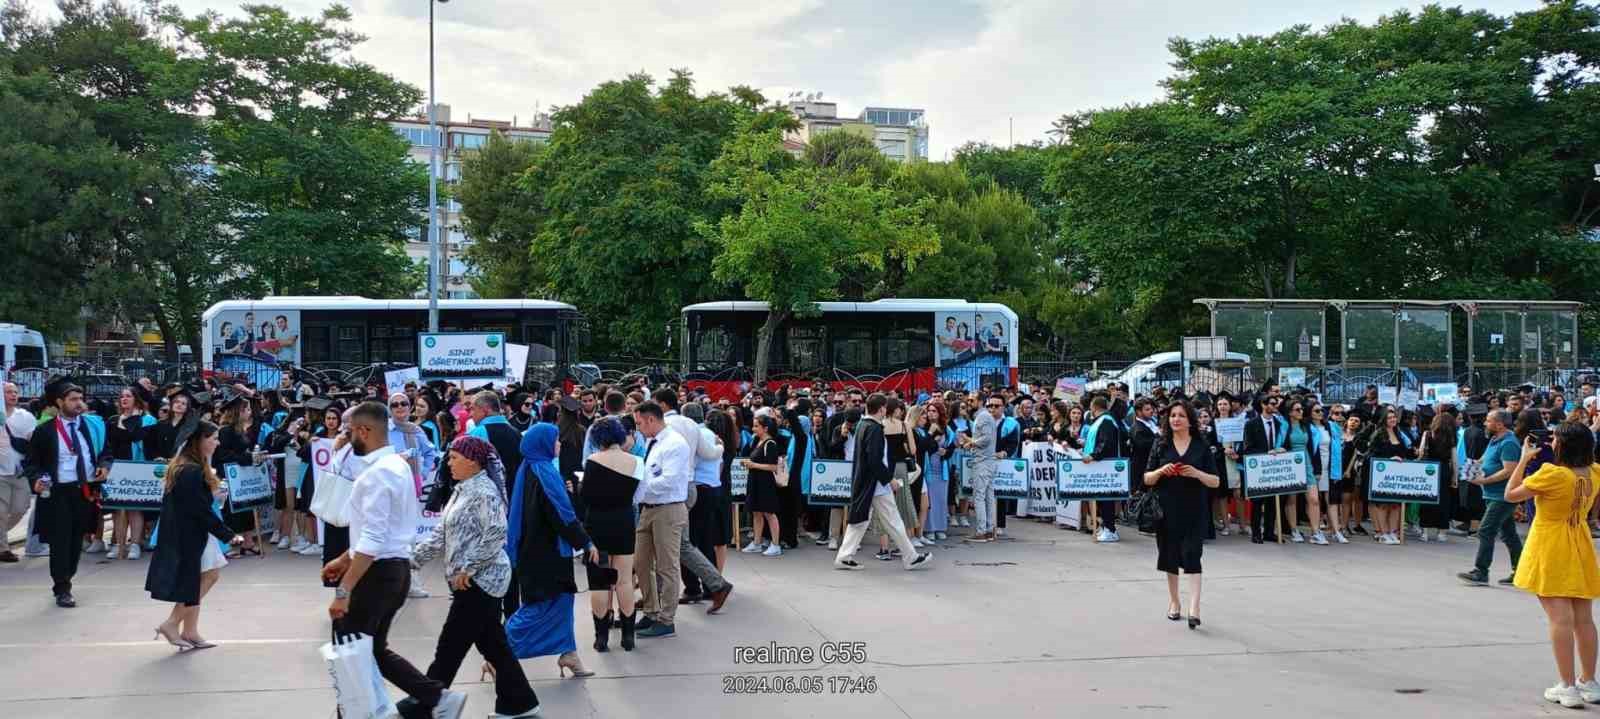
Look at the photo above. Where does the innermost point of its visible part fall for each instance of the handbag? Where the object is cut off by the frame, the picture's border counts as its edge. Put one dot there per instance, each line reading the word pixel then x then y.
pixel 357 684
pixel 1146 511
pixel 331 503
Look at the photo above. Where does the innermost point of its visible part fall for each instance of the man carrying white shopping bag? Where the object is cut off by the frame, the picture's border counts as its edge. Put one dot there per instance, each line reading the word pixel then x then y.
pixel 375 574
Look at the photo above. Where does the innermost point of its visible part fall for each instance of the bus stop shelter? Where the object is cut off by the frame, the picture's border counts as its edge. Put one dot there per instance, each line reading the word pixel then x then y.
pixel 1510 343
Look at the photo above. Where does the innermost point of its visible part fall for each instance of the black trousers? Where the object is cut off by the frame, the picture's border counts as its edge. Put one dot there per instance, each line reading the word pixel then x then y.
pixel 700 515
pixel 1108 514
pixel 335 541
pixel 68 518
pixel 1003 507
pixel 1263 509
pixel 790 502
pixel 374 602
pixel 474 621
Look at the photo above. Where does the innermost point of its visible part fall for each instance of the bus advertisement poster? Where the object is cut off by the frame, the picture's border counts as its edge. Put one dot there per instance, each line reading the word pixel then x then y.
pixel 971 349
pixel 250 369
pixel 271 336
pixel 461 356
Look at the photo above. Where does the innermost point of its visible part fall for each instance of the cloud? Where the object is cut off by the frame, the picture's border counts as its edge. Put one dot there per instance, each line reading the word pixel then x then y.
pixel 974 66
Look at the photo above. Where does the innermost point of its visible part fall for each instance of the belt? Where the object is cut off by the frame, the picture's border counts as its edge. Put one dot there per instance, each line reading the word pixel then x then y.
pixel 642 505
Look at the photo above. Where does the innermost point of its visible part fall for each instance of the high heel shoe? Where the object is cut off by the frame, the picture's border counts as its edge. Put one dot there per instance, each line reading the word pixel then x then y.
pixel 1194 622
pixel 182 645
pixel 197 643
pixel 487 674
pixel 571 661
pixel 1174 615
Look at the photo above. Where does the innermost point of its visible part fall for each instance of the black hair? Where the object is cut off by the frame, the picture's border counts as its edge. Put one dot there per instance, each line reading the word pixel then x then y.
pixel 370 413
pixel 875 402
pixel 650 407
pixel 665 397
pixel 1575 445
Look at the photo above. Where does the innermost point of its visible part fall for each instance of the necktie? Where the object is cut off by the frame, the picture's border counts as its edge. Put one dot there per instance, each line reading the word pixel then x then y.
pixel 648 448
pixel 77 450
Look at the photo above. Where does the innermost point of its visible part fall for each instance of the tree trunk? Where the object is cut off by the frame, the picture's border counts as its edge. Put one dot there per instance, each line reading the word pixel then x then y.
pixel 169 336
pixel 1288 274
pixel 775 318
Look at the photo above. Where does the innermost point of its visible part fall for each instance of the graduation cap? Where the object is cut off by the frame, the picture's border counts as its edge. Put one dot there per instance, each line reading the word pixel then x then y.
pixel 199 398
pixel 318 404
pixel 231 398
pixel 59 386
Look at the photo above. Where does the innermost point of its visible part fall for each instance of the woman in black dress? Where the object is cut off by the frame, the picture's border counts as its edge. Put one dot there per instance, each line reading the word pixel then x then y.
pixel 1184 475
pixel 186 562
pixel 610 476
pixel 1389 441
pixel 762 493
pixel 1439 445
pixel 237 445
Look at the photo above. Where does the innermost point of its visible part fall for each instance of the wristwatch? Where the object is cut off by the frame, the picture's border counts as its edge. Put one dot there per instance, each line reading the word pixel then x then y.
pixel 341 593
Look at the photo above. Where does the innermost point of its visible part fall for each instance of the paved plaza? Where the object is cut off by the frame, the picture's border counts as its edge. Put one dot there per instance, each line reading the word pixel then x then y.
pixel 1047 625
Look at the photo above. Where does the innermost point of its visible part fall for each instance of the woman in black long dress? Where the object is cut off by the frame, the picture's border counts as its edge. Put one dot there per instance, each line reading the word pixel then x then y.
pixel 1184 475
pixel 762 492
pixel 186 562
pixel 237 445
pixel 610 476
pixel 1388 442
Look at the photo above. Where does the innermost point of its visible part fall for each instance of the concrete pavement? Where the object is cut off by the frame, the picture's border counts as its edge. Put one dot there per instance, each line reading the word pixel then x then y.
pixel 1048 625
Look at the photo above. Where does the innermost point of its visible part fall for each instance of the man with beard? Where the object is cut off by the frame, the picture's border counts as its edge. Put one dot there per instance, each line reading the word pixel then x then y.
pixel 375 575
pixel 68 452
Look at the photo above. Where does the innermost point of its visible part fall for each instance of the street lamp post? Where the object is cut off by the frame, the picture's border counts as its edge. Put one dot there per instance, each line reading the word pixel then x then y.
pixel 433 186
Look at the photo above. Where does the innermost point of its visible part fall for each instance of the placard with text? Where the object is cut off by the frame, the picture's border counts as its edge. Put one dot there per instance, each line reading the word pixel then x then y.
pixel 248 487
pixel 1105 480
pixel 1412 482
pixel 830 483
pixel 134 485
pixel 1270 475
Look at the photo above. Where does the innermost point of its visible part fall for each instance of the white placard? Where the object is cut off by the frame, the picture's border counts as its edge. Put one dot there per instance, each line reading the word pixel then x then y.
pixel 1386 395
pixel 739 481
pixel 1414 482
pixel 248 487
pixel 395 380
pixel 1410 398
pixel 1011 479
pixel 1267 475
pixel 516 363
pixel 830 483
pixel 133 485
pixel 1440 393
pixel 1231 429
pixel 1041 458
pixel 461 356
pixel 1106 479
pixel 1289 377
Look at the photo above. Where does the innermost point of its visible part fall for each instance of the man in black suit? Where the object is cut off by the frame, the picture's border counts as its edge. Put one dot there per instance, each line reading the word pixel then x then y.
pixel 872 488
pixel 1105 431
pixel 1262 435
pixel 66 458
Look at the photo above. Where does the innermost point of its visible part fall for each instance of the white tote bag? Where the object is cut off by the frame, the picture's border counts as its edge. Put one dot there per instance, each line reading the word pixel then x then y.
pixel 357 684
pixel 331 498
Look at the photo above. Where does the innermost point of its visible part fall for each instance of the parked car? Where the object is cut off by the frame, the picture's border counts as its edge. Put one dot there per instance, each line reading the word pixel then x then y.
pixel 1167 369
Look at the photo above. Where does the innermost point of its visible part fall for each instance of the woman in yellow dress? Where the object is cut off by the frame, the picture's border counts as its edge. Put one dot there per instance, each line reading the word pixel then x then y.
pixel 1558 560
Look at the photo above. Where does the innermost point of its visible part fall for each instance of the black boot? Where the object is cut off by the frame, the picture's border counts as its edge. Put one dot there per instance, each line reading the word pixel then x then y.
pixel 602 632
pixel 627 631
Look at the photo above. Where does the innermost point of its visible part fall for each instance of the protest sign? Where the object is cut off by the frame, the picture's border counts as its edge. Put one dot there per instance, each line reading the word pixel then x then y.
pixel 739 481
pixel 516 363
pixel 1268 475
pixel 1387 395
pixel 1440 393
pixel 133 485
pixel 1105 480
pixel 1070 389
pixel 1231 429
pixel 395 380
pixel 461 356
pixel 1011 479
pixel 1409 398
pixel 830 483
pixel 1042 458
pixel 1413 482
pixel 248 487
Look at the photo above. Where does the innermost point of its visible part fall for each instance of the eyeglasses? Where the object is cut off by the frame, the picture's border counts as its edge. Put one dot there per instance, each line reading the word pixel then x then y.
pixel 393 405
pixel 526 405
pixel 996 406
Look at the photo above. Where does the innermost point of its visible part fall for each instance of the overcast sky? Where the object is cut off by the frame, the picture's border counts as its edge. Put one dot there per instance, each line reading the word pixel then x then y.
pixel 974 65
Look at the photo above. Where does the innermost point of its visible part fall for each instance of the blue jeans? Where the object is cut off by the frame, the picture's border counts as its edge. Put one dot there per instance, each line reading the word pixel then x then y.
pixel 1499 518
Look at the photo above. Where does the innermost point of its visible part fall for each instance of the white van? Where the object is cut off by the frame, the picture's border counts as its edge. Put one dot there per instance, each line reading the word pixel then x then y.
pixel 21 347
pixel 1162 369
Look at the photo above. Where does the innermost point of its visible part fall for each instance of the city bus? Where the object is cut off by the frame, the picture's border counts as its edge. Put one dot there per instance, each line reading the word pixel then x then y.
pixel 318 332
pixel 910 345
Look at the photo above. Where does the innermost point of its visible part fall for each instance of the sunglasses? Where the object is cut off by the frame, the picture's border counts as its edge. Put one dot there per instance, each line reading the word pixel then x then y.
pixel 392 405
pixel 526 405
pixel 996 406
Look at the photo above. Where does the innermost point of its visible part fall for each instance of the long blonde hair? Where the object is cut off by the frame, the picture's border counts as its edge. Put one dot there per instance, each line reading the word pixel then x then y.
pixel 191 454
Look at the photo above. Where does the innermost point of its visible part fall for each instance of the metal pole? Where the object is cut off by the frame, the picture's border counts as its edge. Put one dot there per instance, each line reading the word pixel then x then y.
pixel 433 189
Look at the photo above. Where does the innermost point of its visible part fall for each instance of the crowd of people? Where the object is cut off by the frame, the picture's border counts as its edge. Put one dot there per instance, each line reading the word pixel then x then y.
pixel 637 484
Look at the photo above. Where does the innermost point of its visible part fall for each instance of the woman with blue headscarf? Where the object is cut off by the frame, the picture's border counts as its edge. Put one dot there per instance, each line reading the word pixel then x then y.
pixel 542 533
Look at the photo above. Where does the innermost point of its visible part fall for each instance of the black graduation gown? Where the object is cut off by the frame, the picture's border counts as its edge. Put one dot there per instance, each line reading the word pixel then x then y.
pixel 186 525
pixel 870 469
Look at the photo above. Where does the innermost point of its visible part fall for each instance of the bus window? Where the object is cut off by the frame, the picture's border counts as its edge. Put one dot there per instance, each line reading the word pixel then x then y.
pixel 314 344
pixel 541 342
pixel 28 356
pixel 394 343
pixel 906 344
pixel 713 348
pixel 805 348
pixel 852 350
pixel 351 348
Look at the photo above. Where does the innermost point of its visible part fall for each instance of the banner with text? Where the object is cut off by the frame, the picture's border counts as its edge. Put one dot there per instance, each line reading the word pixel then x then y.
pixel 830 483
pixel 461 356
pixel 133 485
pixel 248 487
pixel 1414 482
pixel 1269 475
pixel 1011 479
pixel 1042 458
pixel 738 481
pixel 395 380
pixel 1105 480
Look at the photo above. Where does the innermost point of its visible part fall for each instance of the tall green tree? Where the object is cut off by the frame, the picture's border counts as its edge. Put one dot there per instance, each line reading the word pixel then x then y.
pixel 801 228
pixel 502 215
pixel 318 191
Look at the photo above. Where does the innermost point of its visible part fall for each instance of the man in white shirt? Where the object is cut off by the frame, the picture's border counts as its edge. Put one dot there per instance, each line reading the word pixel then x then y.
pixel 375 575
pixel 663 518
pixel 14 494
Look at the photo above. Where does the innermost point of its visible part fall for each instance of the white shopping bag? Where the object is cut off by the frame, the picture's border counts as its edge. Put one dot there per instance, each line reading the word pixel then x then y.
pixel 357 684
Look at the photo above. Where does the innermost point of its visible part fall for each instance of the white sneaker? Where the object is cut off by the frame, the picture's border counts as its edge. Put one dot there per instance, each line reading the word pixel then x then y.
pixel 95 547
pixel 1565 695
pixel 1102 536
pixel 1441 537
pixel 533 713
pixel 113 551
pixel 450 705
pixel 966 522
pixel 277 536
pixel 311 550
pixel 417 592
pixel 1112 537
pixel 1390 538
pixel 773 550
pixel 1224 531
pixel 943 536
pixel 1590 691
pixel 283 543
pixel 752 548
pixel 1340 538
pixel 1297 537
pixel 133 551
pixel 1320 539
pixel 999 531
pixel 833 544
pixel 299 545
pixel 1423 538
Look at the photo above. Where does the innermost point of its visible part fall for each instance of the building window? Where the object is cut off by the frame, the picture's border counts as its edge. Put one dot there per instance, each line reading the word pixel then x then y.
pixel 417 136
pixel 452 172
pixel 466 141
